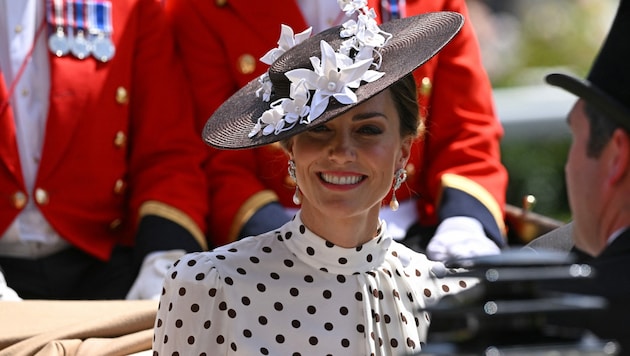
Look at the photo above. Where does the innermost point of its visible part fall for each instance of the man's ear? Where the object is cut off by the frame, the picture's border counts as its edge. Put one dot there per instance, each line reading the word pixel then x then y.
pixel 620 156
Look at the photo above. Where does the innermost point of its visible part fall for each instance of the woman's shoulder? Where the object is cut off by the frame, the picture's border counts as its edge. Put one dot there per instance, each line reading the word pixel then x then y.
pixel 226 257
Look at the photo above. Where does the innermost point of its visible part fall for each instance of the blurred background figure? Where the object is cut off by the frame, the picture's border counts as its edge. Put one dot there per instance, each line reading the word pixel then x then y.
pixel 100 165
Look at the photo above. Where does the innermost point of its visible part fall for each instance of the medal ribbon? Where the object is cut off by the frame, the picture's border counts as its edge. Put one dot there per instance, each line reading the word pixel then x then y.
pixel 55 13
pixel 100 16
pixel 392 9
pixel 79 15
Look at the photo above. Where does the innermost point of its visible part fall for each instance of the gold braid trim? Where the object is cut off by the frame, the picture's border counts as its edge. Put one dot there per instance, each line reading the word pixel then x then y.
pixel 450 180
pixel 249 208
pixel 153 207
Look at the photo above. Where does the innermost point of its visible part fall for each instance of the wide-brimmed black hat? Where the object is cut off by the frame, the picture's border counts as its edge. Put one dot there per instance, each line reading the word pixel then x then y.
pixel 414 40
pixel 607 86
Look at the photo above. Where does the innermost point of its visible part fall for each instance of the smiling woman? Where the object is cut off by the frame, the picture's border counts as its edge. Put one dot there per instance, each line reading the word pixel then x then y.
pixel 332 280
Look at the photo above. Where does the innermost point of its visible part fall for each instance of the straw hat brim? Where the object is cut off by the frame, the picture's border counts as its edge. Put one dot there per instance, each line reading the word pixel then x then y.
pixel 414 41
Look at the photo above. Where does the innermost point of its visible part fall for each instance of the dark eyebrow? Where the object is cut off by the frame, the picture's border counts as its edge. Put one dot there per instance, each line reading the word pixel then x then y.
pixel 368 115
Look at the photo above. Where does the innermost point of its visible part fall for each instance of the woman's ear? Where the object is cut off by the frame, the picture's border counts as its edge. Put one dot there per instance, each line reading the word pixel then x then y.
pixel 288 147
pixel 405 150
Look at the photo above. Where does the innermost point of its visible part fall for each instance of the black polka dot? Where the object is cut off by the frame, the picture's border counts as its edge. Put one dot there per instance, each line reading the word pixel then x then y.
pixel 280 338
pixel 278 306
pixel 274 275
pixel 312 340
pixel 261 287
pixel 288 263
pixel 310 251
pixel 194 308
pixel 294 292
pixel 247 333
pixel 241 271
pixel 200 276
pixel 246 301
pixel 328 326
pixel 311 309
pixel 327 294
pixel 296 323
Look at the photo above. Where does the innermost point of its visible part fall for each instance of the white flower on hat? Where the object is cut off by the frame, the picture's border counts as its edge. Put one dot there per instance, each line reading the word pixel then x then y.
pixel 284 113
pixel 335 75
pixel 286 41
pixel 351 6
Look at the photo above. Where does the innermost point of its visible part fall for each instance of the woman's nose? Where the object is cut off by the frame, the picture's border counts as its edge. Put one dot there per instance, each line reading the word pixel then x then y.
pixel 341 149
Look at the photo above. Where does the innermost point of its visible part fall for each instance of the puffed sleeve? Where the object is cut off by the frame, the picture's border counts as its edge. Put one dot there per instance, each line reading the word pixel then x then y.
pixel 190 313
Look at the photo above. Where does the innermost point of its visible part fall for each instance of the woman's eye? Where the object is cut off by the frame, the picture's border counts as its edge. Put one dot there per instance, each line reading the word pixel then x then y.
pixel 320 128
pixel 370 130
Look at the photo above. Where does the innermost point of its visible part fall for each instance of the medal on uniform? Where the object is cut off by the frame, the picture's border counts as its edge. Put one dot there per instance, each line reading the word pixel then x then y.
pixel 58 41
pixel 80 45
pixel 100 20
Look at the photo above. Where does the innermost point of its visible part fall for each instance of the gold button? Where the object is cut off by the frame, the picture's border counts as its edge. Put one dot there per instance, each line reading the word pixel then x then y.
pixel 120 139
pixel 122 97
pixel 115 224
pixel 19 200
pixel 425 86
pixel 18 29
pixel 246 64
pixel 119 186
pixel 220 3
pixel 41 196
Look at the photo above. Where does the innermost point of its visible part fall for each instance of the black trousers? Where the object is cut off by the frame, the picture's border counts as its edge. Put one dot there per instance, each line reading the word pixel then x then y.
pixel 71 274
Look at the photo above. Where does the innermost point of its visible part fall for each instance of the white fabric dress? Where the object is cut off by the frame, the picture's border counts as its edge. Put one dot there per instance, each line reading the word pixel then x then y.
pixel 290 292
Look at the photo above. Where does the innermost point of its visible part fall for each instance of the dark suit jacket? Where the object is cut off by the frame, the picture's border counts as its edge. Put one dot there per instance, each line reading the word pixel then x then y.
pixel 612 281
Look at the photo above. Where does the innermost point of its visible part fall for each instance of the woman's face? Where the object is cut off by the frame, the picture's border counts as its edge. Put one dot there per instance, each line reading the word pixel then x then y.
pixel 346 166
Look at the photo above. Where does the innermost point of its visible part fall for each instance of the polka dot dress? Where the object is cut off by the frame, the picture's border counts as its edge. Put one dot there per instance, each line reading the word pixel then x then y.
pixel 289 292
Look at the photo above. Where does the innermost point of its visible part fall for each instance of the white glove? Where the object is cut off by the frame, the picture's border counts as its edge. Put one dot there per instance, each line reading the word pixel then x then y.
pixel 460 237
pixel 148 283
pixel 7 293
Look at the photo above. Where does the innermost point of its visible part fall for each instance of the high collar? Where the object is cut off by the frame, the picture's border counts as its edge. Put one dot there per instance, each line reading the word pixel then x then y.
pixel 326 256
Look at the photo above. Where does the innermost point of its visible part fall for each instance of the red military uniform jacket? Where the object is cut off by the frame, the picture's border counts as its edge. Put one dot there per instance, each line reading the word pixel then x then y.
pixel 221 42
pixel 119 141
